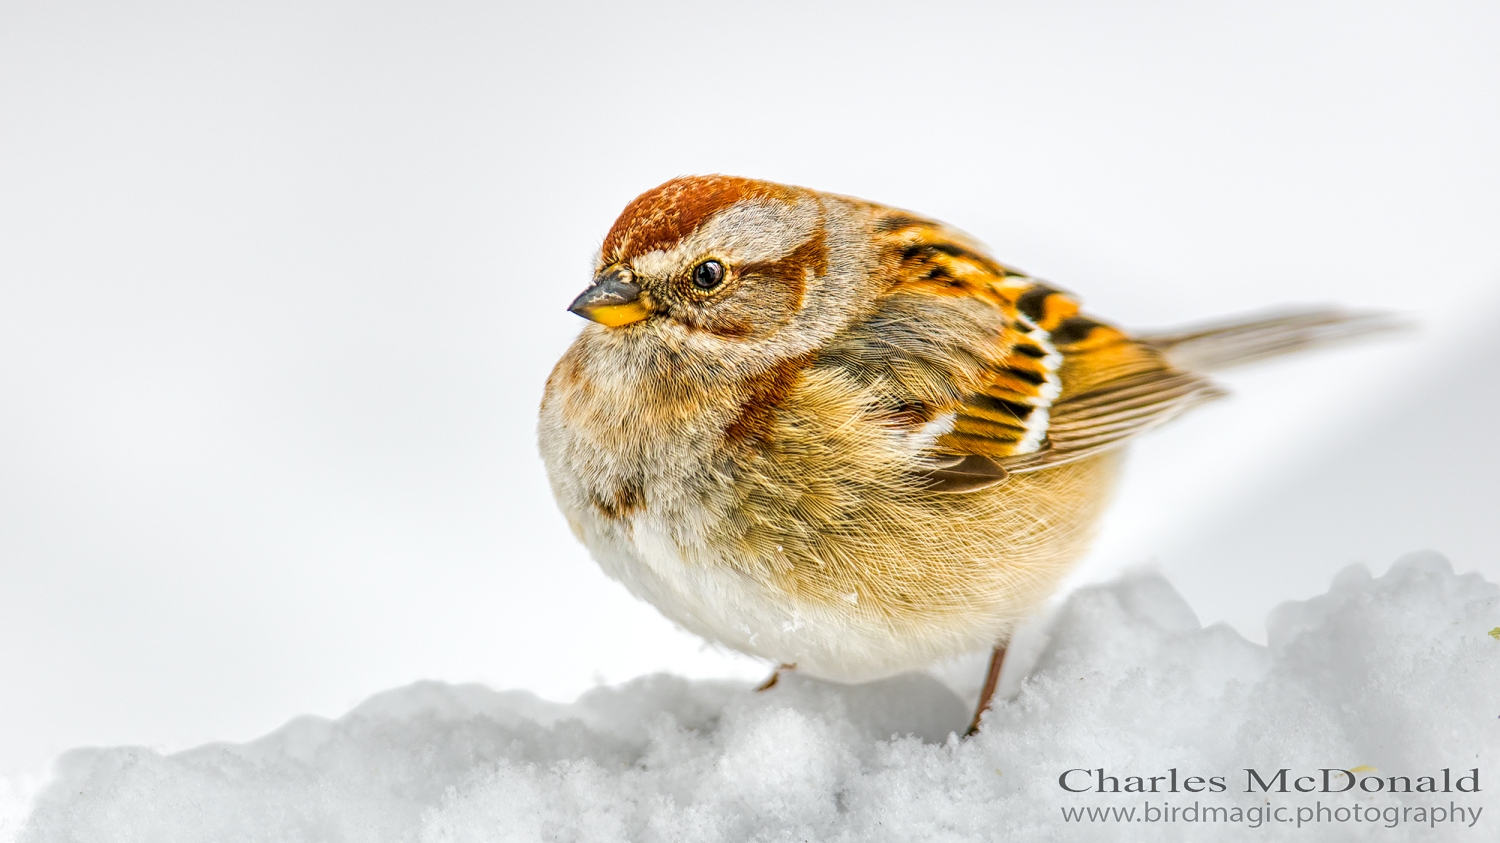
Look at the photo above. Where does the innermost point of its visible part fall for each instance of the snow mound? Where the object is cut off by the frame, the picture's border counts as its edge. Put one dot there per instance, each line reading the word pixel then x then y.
pixel 1396 676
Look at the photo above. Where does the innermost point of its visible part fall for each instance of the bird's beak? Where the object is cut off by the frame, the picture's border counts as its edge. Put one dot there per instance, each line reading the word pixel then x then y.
pixel 614 300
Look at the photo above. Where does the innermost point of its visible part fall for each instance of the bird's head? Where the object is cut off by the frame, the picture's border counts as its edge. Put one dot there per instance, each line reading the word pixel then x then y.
pixel 742 272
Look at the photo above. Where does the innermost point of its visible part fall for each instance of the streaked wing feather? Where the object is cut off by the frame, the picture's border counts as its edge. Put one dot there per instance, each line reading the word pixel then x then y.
pixel 1112 389
pixel 1209 348
pixel 1110 416
pixel 1017 378
pixel 964 473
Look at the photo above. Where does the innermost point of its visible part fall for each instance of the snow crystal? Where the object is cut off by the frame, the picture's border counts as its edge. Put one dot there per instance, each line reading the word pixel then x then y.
pixel 1393 676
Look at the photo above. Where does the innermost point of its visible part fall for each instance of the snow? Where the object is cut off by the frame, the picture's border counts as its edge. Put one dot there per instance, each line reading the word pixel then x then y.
pixel 1388 676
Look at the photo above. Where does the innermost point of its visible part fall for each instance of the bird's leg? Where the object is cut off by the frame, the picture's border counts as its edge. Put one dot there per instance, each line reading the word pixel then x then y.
pixel 991 679
pixel 774 677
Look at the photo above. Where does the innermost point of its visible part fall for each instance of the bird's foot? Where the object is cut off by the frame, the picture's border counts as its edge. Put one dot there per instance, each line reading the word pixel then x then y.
pixel 991 680
pixel 774 677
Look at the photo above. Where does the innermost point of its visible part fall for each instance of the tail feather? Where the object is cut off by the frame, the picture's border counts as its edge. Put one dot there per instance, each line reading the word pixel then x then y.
pixel 1222 345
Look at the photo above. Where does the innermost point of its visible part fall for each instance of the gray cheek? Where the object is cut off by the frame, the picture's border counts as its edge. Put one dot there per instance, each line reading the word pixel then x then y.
pixel 756 317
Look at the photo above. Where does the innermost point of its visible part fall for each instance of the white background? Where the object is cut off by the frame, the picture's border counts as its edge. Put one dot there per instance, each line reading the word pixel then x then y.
pixel 280 284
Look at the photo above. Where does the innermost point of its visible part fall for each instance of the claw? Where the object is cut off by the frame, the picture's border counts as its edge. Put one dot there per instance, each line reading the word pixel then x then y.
pixel 774 677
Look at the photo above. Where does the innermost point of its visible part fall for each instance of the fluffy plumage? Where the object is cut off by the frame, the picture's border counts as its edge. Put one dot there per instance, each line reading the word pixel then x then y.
pixel 866 446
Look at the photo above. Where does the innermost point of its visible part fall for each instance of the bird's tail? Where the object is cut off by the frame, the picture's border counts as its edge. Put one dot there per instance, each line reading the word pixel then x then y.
pixel 1222 345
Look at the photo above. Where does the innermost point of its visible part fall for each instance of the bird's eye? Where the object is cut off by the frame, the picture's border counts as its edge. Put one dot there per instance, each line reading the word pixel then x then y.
pixel 708 275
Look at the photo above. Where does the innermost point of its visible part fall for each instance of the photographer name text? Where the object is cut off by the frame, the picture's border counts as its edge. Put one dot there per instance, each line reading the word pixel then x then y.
pixel 1283 780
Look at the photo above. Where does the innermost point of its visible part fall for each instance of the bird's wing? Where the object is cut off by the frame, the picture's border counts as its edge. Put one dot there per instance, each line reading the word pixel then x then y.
pixel 1001 372
pixel 1113 387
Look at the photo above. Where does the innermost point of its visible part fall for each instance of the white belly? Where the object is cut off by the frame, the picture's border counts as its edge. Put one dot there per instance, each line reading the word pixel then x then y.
pixel 732 608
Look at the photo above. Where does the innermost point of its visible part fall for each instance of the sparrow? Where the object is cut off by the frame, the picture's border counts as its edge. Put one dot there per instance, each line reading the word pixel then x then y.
pixel 843 437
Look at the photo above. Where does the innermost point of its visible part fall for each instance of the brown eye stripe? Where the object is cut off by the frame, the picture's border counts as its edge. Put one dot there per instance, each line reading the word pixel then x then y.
pixel 790 271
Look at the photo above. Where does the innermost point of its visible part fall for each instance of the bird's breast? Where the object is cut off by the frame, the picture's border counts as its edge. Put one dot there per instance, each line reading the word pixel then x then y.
pixel 620 446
